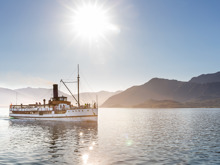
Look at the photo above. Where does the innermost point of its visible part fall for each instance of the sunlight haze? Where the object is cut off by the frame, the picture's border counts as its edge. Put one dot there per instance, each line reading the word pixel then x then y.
pixel 117 43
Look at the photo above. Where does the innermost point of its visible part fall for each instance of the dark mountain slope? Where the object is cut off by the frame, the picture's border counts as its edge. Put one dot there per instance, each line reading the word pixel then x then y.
pixel 206 78
pixel 163 89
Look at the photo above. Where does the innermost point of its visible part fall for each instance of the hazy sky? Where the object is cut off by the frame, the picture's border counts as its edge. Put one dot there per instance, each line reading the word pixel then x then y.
pixel 174 39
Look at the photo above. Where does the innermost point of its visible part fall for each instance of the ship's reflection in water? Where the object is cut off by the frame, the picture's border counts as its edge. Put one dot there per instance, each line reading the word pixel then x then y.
pixel 55 142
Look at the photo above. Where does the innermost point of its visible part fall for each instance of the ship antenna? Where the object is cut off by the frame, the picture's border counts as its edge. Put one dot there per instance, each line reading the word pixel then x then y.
pixel 78 85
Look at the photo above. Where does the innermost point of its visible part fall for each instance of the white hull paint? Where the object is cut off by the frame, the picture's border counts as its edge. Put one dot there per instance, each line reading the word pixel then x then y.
pixel 70 115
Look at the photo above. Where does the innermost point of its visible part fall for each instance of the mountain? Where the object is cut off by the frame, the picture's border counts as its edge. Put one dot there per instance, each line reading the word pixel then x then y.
pixel 7 96
pixel 206 78
pixel 169 93
pixel 102 96
pixel 32 95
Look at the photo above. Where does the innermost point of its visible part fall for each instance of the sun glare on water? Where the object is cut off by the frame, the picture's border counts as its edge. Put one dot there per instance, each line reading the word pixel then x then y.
pixel 92 22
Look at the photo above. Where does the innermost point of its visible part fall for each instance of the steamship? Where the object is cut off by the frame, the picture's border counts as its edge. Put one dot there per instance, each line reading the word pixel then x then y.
pixel 57 108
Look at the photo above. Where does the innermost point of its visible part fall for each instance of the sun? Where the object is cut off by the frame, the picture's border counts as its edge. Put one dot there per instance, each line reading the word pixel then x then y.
pixel 92 22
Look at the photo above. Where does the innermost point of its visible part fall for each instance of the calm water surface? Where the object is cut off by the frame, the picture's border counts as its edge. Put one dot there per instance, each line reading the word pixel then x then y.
pixel 121 136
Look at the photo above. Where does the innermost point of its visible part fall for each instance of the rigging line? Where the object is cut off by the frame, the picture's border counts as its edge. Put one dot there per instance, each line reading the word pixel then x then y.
pixel 69 91
pixel 83 101
pixel 72 73
pixel 71 82
pixel 92 94
pixel 61 91
pixel 64 92
pixel 82 75
pixel 89 95
pixel 70 97
pixel 84 96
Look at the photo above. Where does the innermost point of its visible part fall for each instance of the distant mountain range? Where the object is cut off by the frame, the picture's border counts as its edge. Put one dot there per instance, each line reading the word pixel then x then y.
pixel 201 91
pixel 32 95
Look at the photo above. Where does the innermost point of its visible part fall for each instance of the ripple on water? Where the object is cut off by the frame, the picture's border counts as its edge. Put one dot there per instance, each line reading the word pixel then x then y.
pixel 122 136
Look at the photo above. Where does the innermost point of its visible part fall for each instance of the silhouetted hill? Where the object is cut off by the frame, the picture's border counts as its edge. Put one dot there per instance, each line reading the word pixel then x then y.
pixel 32 95
pixel 206 78
pixel 165 92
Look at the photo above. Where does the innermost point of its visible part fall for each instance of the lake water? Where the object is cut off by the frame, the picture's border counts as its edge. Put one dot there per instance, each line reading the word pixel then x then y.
pixel 121 136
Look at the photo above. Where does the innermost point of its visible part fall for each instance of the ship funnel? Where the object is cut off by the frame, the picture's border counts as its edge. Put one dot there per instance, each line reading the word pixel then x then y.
pixel 55 91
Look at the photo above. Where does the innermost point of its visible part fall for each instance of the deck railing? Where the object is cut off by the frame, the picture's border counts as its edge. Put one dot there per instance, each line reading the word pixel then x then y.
pixel 47 107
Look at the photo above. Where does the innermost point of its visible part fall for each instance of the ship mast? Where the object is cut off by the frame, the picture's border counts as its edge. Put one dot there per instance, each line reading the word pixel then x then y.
pixel 78 85
pixel 77 100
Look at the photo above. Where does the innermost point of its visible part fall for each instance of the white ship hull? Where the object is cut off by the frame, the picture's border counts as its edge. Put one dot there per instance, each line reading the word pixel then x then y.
pixel 69 115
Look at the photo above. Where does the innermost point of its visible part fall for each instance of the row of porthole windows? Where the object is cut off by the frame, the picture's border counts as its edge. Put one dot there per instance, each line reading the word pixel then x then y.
pixel 77 111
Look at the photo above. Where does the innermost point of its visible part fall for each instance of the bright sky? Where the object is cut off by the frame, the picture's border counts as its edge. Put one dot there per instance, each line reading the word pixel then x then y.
pixel 42 41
